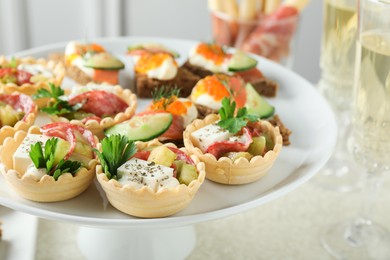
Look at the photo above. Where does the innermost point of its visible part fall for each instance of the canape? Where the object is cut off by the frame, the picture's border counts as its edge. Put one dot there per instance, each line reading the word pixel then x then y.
pixel 209 91
pixel 93 106
pixel 153 180
pixel 48 164
pixel 165 119
pixel 17 112
pixel 156 66
pixel 27 75
pixel 89 62
pixel 206 59
pixel 236 148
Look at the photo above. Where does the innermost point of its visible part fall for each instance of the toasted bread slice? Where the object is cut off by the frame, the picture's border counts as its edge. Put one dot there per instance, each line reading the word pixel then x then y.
pixel 184 80
pixel 71 71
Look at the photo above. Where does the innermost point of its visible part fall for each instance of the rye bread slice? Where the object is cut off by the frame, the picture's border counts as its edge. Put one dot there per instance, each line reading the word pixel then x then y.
pixel 284 131
pixel 199 71
pixel 185 80
pixel 203 111
pixel 263 86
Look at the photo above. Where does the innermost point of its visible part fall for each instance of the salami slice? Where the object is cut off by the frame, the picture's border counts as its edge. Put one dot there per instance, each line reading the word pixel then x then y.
pixel 181 155
pixel 68 132
pixel 99 102
pixel 22 77
pixel 19 102
pixel 218 149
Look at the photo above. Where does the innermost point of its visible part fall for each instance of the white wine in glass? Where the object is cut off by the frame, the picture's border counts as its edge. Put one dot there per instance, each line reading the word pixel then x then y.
pixel 338 51
pixel 337 64
pixel 363 238
pixel 372 112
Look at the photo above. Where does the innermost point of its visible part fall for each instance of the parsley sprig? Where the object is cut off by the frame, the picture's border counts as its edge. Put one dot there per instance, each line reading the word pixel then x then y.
pixel 45 158
pixel 116 150
pixel 56 106
pixel 231 122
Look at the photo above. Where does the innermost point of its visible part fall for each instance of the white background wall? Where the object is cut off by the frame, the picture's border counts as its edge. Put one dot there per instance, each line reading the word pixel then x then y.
pixel 30 23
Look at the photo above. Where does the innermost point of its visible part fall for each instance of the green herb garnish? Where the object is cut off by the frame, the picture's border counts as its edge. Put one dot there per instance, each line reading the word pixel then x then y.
pixel 231 122
pixel 13 63
pixel 66 166
pixel 116 150
pixel 165 94
pixel 45 158
pixel 57 106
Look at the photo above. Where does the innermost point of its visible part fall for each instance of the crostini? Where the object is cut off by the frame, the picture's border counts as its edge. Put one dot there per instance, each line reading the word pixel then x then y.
pixel 156 66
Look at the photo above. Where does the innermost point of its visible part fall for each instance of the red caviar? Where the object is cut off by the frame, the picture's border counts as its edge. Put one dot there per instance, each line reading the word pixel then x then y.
pixel 212 52
pixel 150 61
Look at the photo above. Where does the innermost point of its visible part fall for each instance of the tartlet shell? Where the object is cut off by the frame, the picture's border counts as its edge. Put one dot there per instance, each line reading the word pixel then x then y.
pixel 146 203
pixel 29 89
pixel 24 125
pixel 241 171
pixel 46 189
pixel 97 128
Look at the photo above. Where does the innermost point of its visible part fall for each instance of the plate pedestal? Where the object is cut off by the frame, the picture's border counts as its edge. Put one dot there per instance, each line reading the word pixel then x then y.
pixel 131 243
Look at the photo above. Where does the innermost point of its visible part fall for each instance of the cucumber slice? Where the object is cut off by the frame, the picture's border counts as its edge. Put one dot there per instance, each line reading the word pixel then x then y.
pixel 103 61
pixel 256 104
pixel 187 174
pixel 62 148
pixel 143 128
pixel 241 61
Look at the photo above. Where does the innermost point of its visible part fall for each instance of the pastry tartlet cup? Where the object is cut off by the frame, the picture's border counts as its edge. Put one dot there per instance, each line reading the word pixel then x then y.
pixel 96 127
pixel 31 88
pixel 24 125
pixel 146 203
pixel 241 171
pixel 46 189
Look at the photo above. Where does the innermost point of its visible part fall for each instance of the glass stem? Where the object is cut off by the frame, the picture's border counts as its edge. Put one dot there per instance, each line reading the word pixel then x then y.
pixel 371 188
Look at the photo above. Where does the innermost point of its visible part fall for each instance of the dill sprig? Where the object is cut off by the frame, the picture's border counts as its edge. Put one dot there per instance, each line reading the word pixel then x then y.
pixel 165 94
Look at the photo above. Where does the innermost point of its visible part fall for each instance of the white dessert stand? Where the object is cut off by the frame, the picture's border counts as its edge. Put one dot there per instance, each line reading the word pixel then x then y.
pixel 106 233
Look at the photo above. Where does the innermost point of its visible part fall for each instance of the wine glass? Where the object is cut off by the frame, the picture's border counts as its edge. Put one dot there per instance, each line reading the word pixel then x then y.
pixel 362 238
pixel 337 63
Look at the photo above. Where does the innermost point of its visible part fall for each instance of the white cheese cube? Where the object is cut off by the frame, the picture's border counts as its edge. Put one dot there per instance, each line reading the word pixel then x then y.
pixel 206 136
pixel 21 157
pixel 35 173
pixel 168 183
pixel 139 173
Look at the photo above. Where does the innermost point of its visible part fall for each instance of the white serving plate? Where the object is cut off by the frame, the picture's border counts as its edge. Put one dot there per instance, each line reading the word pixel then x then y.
pixel 300 106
